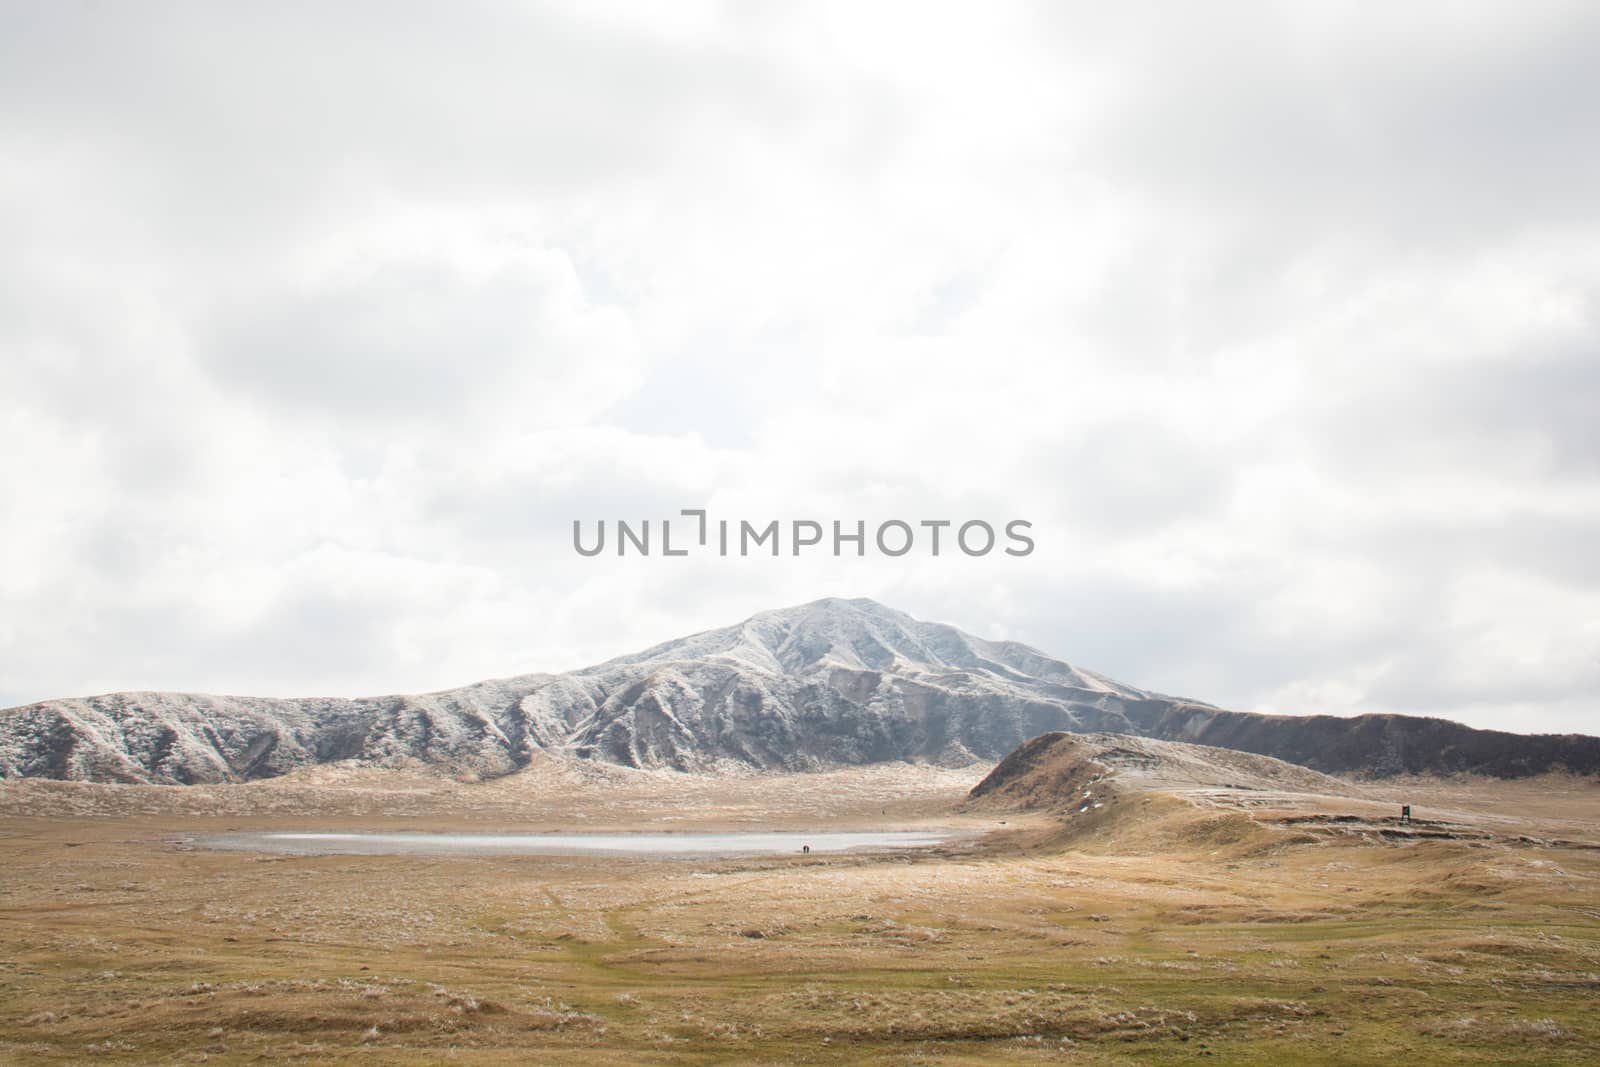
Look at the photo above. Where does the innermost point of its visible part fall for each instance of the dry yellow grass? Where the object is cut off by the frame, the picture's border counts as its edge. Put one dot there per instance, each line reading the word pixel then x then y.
pixel 1165 927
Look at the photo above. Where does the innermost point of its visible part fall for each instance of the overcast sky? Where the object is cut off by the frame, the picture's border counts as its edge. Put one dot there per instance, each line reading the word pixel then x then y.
pixel 321 323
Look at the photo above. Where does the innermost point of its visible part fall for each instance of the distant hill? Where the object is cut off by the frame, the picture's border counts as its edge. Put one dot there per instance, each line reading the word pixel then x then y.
pixel 1373 745
pixel 822 684
pixel 1065 771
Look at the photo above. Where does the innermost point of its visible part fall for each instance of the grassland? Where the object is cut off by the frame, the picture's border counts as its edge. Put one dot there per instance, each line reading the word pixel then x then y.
pixel 1165 928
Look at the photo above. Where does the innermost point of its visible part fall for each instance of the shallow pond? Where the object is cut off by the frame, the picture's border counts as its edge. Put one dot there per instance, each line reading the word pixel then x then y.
pixel 743 843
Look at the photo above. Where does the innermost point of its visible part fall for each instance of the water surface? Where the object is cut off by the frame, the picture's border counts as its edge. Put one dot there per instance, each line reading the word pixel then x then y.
pixel 571 844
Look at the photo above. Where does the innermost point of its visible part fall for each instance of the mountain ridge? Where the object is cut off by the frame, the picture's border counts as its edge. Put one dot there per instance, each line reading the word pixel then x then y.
pixel 828 683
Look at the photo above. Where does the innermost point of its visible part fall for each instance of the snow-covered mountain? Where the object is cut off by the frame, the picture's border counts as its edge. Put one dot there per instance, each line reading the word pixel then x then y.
pixel 835 681
pixel 827 683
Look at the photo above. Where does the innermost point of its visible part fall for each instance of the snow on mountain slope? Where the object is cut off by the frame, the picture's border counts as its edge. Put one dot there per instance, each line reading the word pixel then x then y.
pixel 861 634
pixel 822 684
pixel 835 681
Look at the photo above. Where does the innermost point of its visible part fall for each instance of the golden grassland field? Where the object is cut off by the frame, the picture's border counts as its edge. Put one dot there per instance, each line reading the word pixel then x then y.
pixel 1162 929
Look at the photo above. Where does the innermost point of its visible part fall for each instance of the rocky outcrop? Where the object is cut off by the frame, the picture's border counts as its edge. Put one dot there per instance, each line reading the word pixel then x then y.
pixel 1064 771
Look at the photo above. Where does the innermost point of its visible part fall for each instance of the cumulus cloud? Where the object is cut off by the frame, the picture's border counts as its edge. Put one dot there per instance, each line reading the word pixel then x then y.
pixel 321 325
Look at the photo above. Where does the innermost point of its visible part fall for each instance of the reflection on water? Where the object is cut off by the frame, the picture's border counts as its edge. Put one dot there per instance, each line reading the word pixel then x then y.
pixel 581 844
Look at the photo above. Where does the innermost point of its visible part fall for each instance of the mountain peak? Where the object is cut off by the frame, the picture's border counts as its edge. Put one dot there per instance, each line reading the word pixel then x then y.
pixel 830 682
pixel 861 634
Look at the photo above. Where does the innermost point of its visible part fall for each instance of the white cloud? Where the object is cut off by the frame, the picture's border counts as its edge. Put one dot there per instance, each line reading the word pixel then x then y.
pixel 1278 322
